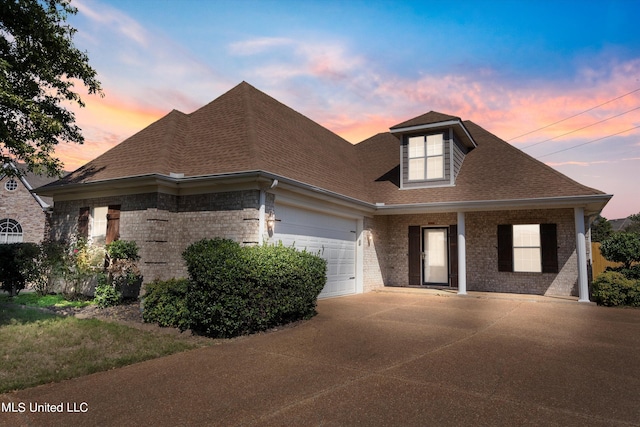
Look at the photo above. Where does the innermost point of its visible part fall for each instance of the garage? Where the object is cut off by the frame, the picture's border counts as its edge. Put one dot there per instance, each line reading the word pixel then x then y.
pixel 331 237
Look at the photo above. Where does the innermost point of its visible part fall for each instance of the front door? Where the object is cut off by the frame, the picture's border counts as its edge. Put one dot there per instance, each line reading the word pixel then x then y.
pixel 435 259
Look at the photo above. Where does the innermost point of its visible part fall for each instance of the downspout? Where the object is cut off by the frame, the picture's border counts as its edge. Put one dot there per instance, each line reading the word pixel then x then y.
pixel 261 217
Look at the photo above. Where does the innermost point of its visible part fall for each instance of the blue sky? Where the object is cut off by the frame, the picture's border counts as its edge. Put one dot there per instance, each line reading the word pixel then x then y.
pixel 360 67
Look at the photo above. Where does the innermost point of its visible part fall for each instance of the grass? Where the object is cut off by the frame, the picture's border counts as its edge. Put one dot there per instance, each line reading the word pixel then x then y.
pixel 32 299
pixel 40 347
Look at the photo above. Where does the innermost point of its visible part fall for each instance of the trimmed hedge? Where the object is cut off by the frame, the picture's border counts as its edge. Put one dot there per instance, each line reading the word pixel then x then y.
pixel 236 290
pixel 612 288
pixel 165 303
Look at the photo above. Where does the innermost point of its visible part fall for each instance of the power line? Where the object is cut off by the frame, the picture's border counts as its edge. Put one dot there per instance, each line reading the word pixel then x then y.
pixel 575 115
pixel 588 142
pixel 584 127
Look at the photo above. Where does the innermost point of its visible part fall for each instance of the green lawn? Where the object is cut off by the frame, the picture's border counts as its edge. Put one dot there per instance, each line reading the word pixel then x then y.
pixel 39 347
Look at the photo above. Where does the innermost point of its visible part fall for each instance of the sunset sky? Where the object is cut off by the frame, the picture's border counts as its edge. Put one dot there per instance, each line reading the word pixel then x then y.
pixel 558 79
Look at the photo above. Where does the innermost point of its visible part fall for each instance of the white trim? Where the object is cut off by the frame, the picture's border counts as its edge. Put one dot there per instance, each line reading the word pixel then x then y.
pixel 594 202
pixel 462 255
pixel 447 123
pixel 581 251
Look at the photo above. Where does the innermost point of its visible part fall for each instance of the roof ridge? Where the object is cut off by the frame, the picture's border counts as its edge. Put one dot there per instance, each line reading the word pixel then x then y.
pixel 250 120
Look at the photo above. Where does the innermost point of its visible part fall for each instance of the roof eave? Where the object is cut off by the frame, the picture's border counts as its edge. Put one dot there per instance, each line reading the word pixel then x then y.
pixel 467 138
pixel 593 204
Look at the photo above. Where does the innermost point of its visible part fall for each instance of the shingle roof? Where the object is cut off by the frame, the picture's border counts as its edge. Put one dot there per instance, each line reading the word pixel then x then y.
pixel 494 170
pixel 246 130
pixel 242 130
pixel 426 119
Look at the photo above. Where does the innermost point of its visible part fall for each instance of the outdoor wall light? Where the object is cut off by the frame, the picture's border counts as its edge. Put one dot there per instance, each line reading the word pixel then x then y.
pixel 369 237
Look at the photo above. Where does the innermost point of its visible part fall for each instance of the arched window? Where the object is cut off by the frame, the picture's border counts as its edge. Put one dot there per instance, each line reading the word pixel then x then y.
pixel 10 231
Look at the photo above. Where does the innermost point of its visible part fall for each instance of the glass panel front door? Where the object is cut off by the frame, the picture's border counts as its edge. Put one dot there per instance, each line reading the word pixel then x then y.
pixel 435 255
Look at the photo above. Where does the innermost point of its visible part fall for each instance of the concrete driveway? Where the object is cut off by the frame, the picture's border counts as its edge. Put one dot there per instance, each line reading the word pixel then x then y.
pixel 387 358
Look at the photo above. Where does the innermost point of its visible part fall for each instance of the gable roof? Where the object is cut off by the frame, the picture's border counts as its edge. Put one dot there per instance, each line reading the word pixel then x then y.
pixel 429 118
pixel 242 130
pixel 30 180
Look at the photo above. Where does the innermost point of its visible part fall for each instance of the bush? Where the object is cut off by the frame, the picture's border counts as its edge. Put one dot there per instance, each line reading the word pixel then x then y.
pixel 123 249
pixel 237 290
pixel 122 268
pixel 106 295
pixel 622 247
pixel 18 262
pixel 612 288
pixel 165 303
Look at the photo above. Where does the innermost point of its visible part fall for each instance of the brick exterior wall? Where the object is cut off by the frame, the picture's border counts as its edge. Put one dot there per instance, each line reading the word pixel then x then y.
pixel 387 257
pixel 20 205
pixel 163 225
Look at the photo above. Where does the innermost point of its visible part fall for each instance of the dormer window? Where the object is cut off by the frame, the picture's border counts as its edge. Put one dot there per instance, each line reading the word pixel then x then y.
pixel 426 157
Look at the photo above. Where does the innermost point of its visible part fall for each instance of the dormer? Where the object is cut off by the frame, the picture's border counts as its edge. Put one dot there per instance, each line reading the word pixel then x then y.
pixel 432 149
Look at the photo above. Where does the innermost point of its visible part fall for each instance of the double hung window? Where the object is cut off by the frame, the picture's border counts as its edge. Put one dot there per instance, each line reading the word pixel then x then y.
pixel 426 157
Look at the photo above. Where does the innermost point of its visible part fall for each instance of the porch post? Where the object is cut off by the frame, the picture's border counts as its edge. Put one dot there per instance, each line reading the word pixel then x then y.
pixel 462 256
pixel 581 251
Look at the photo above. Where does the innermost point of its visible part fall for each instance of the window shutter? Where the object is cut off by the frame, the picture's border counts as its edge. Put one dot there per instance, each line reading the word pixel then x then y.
pixel 505 247
pixel 415 255
pixel 83 222
pixel 549 246
pixel 453 255
pixel 113 223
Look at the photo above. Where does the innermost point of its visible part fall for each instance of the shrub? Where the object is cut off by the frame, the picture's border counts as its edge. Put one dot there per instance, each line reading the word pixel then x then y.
pixel 622 247
pixel 106 295
pixel 165 303
pixel 123 249
pixel 236 290
pixel 18 265
pixel 612 288
pixel 122 268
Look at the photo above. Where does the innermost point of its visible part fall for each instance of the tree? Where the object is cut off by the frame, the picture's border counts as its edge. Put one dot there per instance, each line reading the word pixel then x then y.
pixel 622 247
pixel 634 226
pixel 601 229
pixel 39 67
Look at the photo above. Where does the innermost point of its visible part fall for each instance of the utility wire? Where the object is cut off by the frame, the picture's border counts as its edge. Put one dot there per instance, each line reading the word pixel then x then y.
pixel 575 115
pixel 588 142
pixel 584 127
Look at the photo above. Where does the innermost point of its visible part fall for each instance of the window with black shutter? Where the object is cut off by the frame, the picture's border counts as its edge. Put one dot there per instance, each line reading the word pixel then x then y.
pixel 415 255
pixel 534 249
pixel 83 222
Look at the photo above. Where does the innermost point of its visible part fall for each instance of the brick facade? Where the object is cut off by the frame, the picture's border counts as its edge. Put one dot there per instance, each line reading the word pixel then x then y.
pixel 21 206
pixel 163 225
pixel 386 259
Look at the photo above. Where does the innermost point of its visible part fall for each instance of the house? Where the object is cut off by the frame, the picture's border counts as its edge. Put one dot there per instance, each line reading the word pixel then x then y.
pixel 23 214
pixel 436 201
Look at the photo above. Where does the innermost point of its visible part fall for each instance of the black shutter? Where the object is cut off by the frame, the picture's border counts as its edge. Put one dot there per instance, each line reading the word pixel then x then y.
pixel 415 255
pixel 83 222
pixel 549 246
pixel 113 223
pixel 453 255
pixel 505 247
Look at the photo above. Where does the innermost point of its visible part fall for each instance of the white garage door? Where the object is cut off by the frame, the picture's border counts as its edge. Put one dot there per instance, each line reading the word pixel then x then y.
pixel 333 238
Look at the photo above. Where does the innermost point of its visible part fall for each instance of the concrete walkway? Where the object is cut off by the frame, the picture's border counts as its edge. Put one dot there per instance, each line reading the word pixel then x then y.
pixel 381 358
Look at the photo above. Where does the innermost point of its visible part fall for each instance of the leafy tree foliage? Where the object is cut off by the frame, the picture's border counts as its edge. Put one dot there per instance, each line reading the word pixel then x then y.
pixel 601 229
pixel 39 67
pixel 634 226
pixel 622 247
